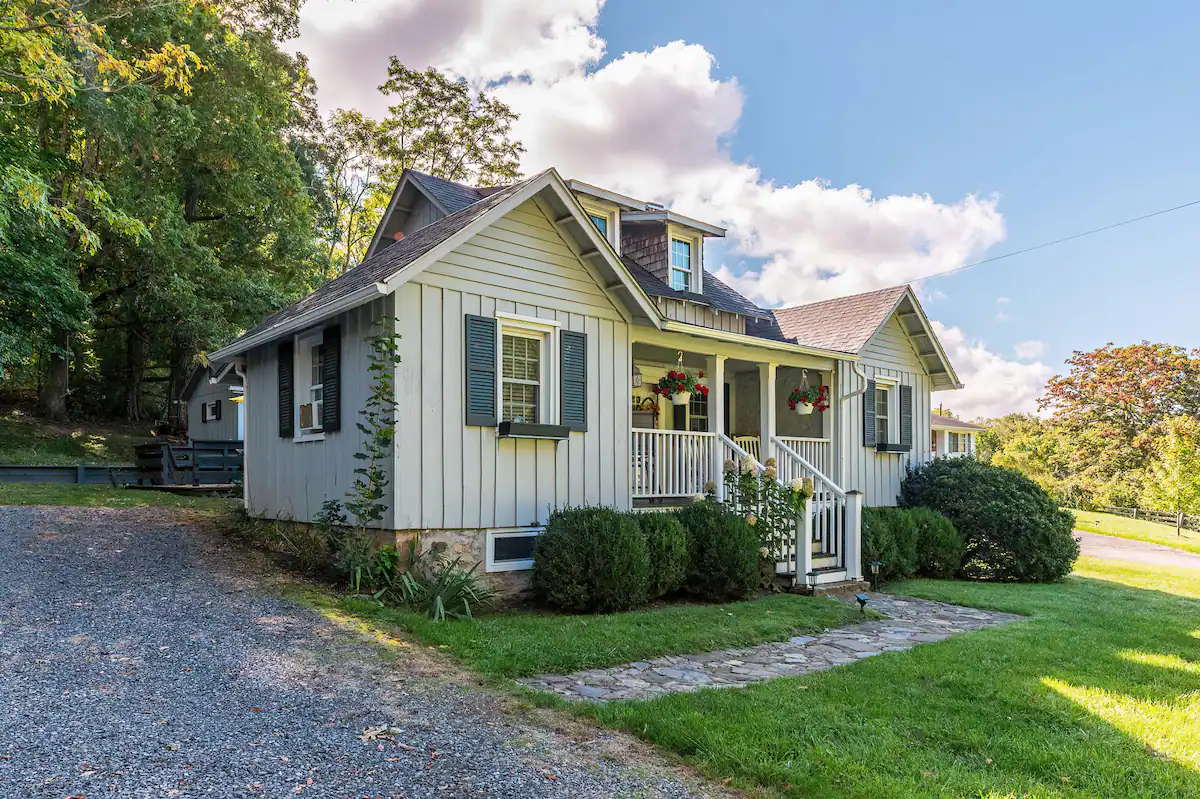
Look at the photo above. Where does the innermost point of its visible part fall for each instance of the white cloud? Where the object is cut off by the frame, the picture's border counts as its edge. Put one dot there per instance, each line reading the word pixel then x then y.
pixel 994 385
pixel 1029 350
pixel 656 125
pixel 349 42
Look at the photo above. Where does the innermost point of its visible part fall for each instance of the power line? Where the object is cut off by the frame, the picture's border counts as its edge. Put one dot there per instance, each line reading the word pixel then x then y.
pixel 1059 241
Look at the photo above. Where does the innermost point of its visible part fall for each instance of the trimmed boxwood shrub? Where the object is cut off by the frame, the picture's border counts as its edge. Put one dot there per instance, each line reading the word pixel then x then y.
pixel 723 552
pixel 667 544
pixel 591 560
pixel 890 537
pixel 1012 529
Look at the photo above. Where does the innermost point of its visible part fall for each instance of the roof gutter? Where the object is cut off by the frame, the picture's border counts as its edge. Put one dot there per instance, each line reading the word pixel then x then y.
pixel 353 300
pixel 752 341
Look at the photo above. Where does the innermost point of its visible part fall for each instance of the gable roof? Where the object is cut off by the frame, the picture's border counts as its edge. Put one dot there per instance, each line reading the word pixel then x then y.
pixel 946 423
pixel 847 324
pixel 383 272
pixel 844 324
pixel 450 195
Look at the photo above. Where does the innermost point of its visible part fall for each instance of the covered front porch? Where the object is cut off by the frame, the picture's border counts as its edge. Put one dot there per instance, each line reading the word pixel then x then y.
pixel 678 449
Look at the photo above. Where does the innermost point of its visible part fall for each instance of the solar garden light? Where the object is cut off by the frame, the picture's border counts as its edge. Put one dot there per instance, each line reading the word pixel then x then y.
pixel 862 602
pixel 874 574
pixel 810 580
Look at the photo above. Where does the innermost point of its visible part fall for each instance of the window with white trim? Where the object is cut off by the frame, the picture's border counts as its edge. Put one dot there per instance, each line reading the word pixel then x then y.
pixel 601 223
pixel 527 369
pixel 882 416
pixel 681 265
pixel 309 393
pixel 510 549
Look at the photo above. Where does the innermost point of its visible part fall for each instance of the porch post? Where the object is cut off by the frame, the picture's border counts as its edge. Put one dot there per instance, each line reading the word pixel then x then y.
pixel 854 500
pixel 714 369
pixel 804 542
pixel 766 408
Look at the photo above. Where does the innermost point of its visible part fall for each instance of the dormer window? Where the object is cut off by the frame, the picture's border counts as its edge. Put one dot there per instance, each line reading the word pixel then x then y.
pixel 681 265
pixel 601 223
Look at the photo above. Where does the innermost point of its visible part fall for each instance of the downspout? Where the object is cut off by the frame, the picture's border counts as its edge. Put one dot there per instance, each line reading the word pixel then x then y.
pixel 239 369
pixel 858 370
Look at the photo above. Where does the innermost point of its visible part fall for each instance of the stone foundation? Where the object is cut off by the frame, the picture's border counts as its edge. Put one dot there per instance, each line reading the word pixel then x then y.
pixel 471 547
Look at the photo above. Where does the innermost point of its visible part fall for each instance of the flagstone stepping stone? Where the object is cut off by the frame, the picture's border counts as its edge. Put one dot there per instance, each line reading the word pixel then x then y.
pixel 911 622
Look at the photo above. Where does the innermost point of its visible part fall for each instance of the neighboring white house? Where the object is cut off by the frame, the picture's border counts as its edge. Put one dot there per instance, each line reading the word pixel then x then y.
pixel 952 438
pixel 534 320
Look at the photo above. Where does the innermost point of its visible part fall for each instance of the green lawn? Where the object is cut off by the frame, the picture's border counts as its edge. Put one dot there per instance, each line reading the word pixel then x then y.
pixel 524 644
pixel 33 442
pixel 103 496
pixel 1137 529
pixel 1096 695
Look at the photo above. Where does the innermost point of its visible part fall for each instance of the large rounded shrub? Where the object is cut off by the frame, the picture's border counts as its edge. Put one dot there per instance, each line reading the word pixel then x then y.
pixel 591 559
pixel 667 544
pixel 723 552
pixel 1012 529
pixel 939 545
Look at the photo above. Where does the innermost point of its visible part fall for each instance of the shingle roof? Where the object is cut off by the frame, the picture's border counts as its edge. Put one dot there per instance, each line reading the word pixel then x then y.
pixel 957 424
pixel 716 294
pixel 387 262
pixel 453 196
pixel 844 324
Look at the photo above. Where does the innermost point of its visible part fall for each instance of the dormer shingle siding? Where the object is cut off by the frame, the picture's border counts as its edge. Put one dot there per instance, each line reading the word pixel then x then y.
pixel 646 246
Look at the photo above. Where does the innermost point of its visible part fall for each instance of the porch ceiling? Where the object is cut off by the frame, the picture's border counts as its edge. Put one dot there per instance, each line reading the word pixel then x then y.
pixel 664 341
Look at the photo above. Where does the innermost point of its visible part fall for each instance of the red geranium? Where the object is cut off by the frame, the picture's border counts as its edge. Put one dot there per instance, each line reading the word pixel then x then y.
pixel 677 382
pixel 816 397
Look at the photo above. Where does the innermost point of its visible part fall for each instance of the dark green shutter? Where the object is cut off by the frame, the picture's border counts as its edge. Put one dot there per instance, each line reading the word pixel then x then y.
pixel 286 389
pixel 331 379
pixel 906 417
pixel 868 419
pixel 217 410
pixel 480 337
pixel 203 412
pixel 574 380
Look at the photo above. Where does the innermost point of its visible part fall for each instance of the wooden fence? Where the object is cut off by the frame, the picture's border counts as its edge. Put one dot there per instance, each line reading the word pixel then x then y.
pixel 194 463
pixel 86 474
pixel 1180 521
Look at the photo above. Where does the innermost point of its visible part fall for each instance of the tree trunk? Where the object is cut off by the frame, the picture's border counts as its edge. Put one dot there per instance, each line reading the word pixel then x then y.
pixel 53 396
pixel 134 366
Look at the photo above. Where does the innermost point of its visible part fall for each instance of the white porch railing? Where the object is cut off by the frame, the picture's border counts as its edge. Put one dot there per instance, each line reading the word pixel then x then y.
pixel 671 463
pixel 836 517
pixel 817 451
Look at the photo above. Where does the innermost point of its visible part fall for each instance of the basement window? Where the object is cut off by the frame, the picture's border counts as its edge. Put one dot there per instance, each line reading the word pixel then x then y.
pixel 511 549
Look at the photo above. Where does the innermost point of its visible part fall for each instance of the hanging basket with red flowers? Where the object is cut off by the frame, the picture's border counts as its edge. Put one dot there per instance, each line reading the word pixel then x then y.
pixel 805 400
pixel 678 386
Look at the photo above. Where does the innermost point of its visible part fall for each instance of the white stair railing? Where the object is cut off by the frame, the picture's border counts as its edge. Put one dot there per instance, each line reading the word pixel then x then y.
pixel 836 514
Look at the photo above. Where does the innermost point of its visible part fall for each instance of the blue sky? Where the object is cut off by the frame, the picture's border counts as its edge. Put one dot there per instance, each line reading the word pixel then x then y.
pixel 1075 114
pixel 943 132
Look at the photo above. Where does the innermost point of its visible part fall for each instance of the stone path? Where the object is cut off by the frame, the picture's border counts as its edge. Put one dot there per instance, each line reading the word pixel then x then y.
pixel 911 622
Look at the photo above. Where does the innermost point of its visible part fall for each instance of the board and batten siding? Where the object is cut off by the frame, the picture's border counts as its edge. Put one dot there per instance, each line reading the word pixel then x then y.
pixel 456 477
pixel 701 315
pixel 878 475
pixel 223 429
pixel 286 479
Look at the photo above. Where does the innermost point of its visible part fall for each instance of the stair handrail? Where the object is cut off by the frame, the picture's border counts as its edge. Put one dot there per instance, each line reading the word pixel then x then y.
pixel 816 473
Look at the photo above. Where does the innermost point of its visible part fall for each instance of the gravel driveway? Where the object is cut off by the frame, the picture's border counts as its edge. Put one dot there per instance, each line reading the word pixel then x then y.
pixel 141 656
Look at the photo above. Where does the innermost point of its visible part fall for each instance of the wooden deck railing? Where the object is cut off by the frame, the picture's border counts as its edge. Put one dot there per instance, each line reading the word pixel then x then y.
pixel 671 463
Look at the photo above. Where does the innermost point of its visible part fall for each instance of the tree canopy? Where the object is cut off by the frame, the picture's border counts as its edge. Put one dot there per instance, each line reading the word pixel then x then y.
pixel 166 180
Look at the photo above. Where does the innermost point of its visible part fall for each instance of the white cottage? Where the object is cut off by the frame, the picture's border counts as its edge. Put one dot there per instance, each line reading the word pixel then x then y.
pixel 952 438
pixel 535 319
